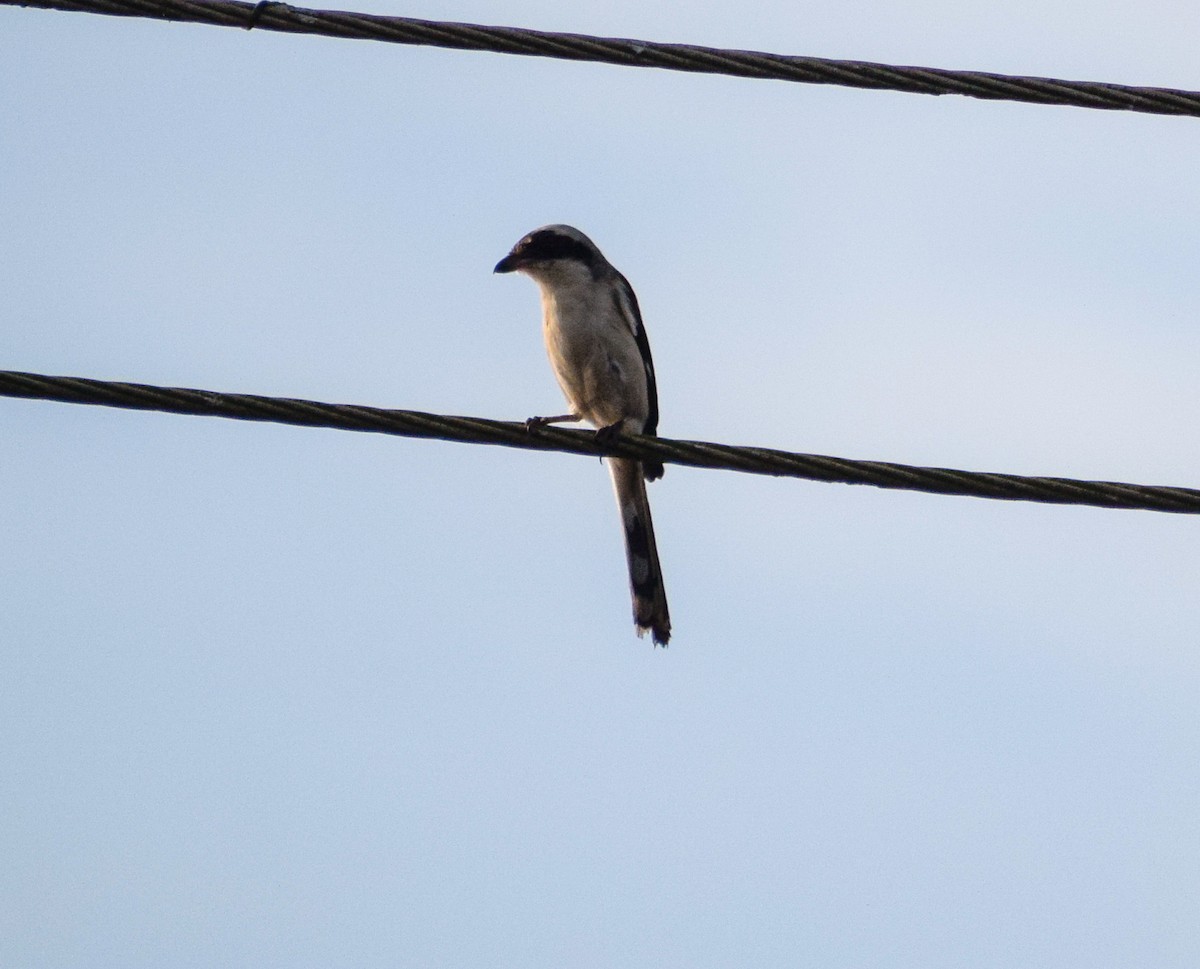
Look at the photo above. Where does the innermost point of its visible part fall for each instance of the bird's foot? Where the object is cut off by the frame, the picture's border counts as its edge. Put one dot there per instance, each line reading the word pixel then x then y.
pixel 259 10
pixel 606 435
pixel 535 423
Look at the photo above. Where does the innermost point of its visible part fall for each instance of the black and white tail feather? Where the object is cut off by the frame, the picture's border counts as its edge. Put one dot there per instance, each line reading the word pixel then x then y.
pixel 645 574
pixel 601 357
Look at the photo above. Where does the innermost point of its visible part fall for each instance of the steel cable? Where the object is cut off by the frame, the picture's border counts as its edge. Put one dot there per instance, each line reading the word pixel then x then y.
pixel 697 454
pixel 641 53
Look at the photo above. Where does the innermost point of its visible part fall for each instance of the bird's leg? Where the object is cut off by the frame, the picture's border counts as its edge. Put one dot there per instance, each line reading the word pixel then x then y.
pixel 534 423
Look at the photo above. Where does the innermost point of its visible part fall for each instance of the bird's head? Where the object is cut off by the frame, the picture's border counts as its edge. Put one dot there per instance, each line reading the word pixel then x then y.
pixel 551 251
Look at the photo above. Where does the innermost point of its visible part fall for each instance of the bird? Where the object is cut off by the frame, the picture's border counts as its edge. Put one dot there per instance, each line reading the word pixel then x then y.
pixel 600 355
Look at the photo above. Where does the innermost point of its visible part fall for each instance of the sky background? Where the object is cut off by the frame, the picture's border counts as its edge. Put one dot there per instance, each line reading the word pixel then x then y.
pixel 273 696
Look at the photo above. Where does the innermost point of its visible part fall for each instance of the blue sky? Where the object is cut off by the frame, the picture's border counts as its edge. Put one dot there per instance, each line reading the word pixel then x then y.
pixel 276 696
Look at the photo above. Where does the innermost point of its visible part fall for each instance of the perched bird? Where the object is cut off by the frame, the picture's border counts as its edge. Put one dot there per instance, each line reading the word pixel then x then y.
pixel 601 357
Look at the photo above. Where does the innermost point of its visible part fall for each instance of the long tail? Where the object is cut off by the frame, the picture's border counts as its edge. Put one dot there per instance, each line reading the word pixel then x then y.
pixel 645 574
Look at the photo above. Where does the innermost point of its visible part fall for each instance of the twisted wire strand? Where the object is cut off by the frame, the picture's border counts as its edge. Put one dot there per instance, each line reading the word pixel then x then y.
pixel 641 53
pixel 697 454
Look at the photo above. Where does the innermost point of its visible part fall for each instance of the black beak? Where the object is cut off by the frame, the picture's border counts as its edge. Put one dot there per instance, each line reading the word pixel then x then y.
pixel 508 264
